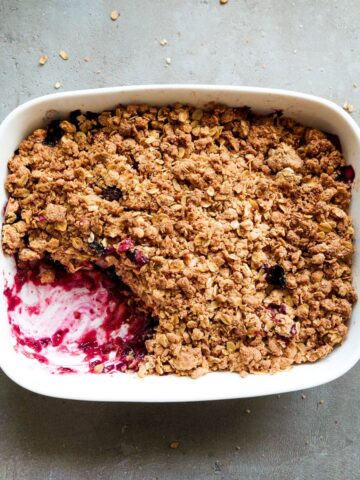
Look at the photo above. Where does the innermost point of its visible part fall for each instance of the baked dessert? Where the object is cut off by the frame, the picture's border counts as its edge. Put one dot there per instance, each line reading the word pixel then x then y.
pixel 232 229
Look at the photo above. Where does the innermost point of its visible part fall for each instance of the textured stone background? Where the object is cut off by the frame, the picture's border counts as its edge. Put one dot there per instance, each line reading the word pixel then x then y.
pixel 303 45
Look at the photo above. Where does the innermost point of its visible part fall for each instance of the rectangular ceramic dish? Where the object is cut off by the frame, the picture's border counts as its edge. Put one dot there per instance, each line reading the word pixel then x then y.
pixel 309 110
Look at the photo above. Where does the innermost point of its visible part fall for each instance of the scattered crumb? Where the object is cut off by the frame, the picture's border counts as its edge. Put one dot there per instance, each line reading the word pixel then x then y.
pixel 63 55
pixel 223 2
pixel 43 59
pixel 168 60
pixel 248 411
pixel 278 396
pixel 306 442
pixel 86 59
pixel 348 107
pixel 163 42
pixel 114 15
pixel 174 445
pixel 237 447
pixel 321 402
pixel 124 428
pixel 354 85
pixel 303 396
pixel 57 85
pixel 336 422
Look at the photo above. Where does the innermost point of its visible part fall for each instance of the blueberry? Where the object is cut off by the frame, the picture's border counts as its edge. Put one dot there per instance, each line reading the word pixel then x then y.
pixel 97 248
pixel 137 257
pixel 276 276
pixel 111 193
pixel 91 115
pixel 53 134
pixel 73 116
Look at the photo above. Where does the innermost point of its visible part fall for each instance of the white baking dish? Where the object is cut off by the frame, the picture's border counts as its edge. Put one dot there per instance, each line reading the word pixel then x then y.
pixel 310 110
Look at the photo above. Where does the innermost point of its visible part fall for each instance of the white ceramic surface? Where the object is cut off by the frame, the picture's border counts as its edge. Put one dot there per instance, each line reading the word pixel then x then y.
pixel 310 110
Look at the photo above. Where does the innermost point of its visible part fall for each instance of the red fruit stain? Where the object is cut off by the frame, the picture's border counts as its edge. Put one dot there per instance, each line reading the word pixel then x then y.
pixel 117 342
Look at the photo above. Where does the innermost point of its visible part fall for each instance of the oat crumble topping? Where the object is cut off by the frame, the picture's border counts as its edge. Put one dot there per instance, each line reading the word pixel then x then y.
pixel 231 228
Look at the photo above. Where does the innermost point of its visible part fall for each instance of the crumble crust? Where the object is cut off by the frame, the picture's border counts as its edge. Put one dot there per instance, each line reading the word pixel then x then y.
pixel 231 228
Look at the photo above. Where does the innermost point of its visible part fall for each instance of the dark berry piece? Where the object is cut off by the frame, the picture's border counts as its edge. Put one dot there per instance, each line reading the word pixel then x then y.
pixel 125 245
pixel 17 151
pixel 282 309
pixel 111 193
pixel 110 250
pixel 335 140
pixel 278 112
pixel 346 174
pixel 53 134
pixel 91 115
pixel 97 248
pixel 135 165
pixel 153 323
pixel 276 276
pixel 137 257
pixel 73 116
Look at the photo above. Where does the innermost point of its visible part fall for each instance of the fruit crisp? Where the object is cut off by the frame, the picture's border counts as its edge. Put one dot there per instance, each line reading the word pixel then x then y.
pixel 230 228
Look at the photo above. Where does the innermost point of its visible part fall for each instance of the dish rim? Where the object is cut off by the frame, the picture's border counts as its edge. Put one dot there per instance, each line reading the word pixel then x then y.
pixel 28 382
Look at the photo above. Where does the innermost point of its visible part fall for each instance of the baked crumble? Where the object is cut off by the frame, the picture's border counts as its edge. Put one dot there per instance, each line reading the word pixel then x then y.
pixel 231 228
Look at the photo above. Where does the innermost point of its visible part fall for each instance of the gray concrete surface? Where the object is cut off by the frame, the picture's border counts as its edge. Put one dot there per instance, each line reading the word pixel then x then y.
pixel 312 46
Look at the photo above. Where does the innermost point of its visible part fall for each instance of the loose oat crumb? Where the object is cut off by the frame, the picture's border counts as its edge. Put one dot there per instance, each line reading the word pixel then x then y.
pixel 223 2
pixel 163 42
pixel 303 396
pixel 98 368
pixel 168 60
pixel 114 15
pixel 64 55
pixel 43 59
pixel 86 59
pixel 174 445
pixel 57 85
pixel 247 411
pixel 238 447
pixel 348 107
pixel 354 85
pixel 321 402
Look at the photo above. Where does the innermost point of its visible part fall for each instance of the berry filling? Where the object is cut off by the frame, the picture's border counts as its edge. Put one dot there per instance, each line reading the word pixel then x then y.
pixel 84 321
pixel 346 174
